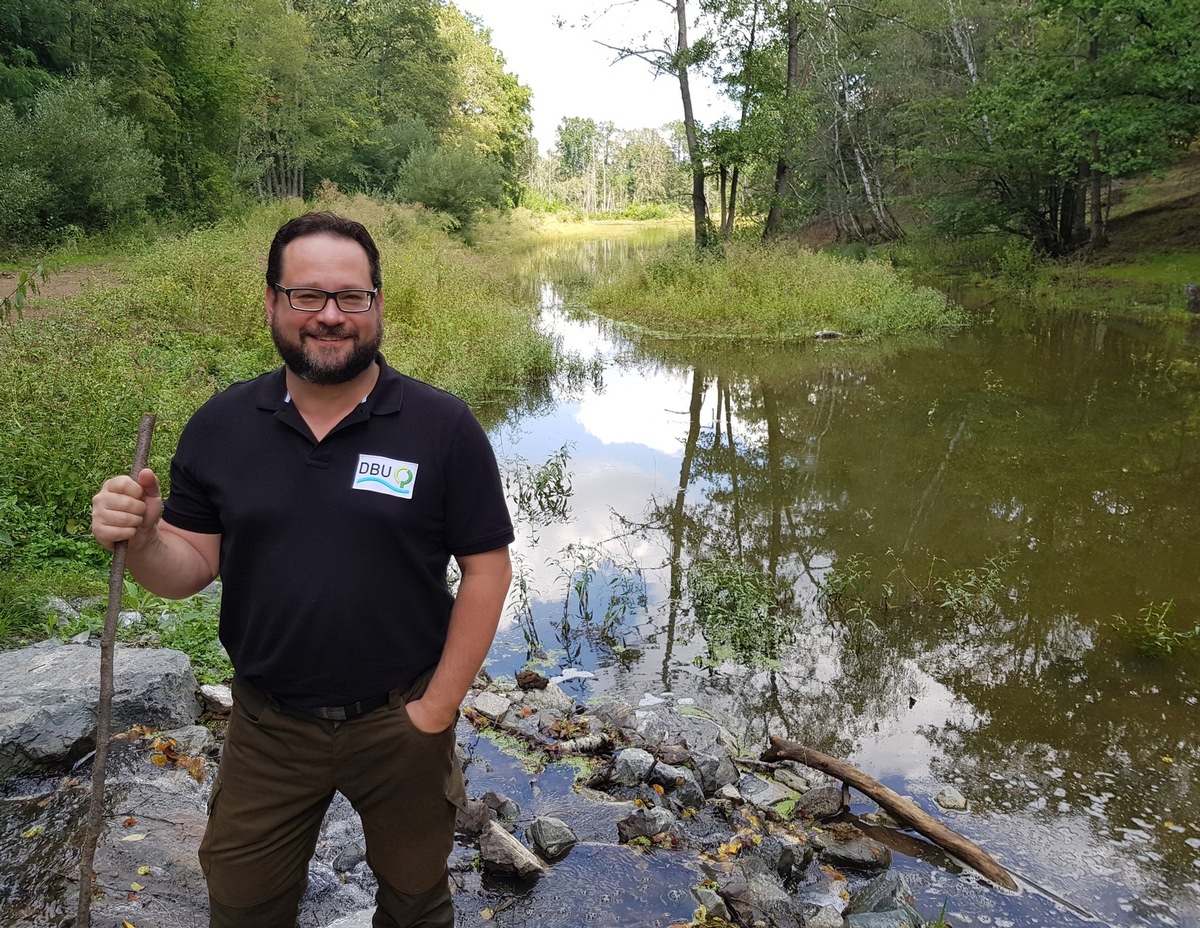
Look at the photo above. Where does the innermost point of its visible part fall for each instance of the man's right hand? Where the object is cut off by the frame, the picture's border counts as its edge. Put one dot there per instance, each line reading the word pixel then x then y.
pixel 127 510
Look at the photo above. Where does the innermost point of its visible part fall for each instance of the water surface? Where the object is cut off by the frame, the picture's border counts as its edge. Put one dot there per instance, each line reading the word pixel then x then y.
pixel 987 500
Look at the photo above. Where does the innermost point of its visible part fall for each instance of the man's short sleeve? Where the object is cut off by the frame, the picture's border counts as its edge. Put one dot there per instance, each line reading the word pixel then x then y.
pixel 189 506
pixel 477 518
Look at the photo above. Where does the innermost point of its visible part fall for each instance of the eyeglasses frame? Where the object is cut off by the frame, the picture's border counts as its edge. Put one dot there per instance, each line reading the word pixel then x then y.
pixel 329 295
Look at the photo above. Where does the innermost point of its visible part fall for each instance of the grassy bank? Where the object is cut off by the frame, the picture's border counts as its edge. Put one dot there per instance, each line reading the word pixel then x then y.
pixel 1140 273
pixel 775 292
pixel 77 374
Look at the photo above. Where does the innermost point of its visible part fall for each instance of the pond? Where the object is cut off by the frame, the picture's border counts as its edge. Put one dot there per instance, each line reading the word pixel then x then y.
pixel 963 559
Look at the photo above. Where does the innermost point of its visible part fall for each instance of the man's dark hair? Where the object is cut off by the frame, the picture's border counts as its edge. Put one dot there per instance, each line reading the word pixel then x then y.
pixel 321 223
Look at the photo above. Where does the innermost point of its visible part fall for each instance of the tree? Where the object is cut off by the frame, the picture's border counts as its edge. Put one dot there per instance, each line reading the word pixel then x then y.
pixel 457 181
pixel 677 57
pixel 71 161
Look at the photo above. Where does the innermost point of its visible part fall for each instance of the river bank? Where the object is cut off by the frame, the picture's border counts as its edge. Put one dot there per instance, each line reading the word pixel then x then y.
pixel 634 815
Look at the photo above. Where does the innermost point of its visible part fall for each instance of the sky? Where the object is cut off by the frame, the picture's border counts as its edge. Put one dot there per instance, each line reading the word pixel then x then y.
pixel 571 75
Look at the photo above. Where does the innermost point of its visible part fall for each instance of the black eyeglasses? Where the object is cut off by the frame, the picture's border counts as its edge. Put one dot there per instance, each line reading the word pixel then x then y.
pixel 312 300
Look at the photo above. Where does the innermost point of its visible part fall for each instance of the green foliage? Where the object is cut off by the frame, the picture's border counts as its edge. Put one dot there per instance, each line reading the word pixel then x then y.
pixel 976 592
pixel 74 383
pixel 457 181
pixel 1151 630
pixel 738 610
pixel 770 292
pixel 70 161
pixel 541 494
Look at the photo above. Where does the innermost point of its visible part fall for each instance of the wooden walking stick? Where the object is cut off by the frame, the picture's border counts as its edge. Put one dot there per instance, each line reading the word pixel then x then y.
pixel 116 582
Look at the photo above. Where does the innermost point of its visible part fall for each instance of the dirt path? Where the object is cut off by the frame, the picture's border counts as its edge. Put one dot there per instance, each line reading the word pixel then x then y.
pixel 66 283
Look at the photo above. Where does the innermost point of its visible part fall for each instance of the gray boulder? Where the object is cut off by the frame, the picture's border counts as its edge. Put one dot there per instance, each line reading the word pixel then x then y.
pixel 848 848
pixel 645 823
pixel 49 694
pixel 551 837
pixel 502 853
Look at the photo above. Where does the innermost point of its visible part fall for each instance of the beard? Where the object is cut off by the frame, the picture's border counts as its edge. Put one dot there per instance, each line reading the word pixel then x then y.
pixel 315 367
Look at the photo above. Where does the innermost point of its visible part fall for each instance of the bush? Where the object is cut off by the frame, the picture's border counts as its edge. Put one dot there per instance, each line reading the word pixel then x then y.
pixel 71 162
pixel 457 181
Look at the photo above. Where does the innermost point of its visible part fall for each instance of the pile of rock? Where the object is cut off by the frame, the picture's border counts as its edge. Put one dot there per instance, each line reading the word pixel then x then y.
pixel 756 833
pixel 669 780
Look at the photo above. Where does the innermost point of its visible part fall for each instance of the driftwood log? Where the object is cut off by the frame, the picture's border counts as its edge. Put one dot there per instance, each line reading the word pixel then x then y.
pixel 900 808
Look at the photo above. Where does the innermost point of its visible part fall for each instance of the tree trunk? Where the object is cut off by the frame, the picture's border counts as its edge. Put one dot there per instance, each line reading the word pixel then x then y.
pixel 699 203
pixel 783 167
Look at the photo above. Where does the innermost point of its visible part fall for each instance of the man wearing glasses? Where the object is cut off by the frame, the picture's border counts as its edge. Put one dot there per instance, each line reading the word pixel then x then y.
pixel 329 495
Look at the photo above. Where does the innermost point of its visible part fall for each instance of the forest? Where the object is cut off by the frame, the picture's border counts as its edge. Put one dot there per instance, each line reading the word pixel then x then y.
pixel 864 119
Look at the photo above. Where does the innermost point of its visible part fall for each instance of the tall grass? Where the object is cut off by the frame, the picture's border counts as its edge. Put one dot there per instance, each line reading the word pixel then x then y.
pixel 775 292
pixel 76 378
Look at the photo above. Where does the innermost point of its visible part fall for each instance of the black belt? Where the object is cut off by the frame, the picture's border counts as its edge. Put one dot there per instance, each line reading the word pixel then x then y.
pixel 341 713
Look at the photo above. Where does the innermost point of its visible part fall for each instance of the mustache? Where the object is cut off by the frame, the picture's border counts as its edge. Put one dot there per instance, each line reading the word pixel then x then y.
pixel 321 330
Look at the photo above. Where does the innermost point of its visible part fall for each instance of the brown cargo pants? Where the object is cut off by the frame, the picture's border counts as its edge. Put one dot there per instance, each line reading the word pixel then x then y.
pixel 279 770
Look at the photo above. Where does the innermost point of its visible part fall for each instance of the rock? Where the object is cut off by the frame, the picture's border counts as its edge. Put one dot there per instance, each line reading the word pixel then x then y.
pixel 217 698
pixel 897 919
pixel 730 793
pixel 777 854
pixel 792 780
pixel 551 698
pixel 502 853
pixel 630 767
pixel 844 846
pixel 531 680
pixel 827 916
pixel 617 713
pixel 644 823
pixel 501 804
pixel 819 805
pixel 357 920
pixel 48 696
pixel 763 794
pixel 491 706
pixel 951 800
pixel 551 837
pixel 650 730
pixel 680 781
pixel 714 905
pixel 714 770
pixel 192 741
pixel 477 816
pixel 887 892
pixel 350 857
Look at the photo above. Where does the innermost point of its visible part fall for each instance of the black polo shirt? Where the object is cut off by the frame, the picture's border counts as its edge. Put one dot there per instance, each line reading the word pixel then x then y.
pixel 334 553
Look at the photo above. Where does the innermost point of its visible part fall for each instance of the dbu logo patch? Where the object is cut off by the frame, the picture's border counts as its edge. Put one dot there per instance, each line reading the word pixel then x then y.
pixel 383 475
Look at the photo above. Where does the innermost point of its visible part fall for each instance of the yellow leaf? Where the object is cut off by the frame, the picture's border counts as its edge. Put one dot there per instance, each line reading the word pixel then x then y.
pixel 126 924
pixel 1168 824
pixel 159 760
pixel 137 837
pixel 136 887
pixel 487 914
pixel 1168 760
pixel 35 832
pixel 142 871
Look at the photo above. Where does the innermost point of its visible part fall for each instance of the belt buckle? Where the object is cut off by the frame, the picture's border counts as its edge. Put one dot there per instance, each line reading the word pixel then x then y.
pixel 331 713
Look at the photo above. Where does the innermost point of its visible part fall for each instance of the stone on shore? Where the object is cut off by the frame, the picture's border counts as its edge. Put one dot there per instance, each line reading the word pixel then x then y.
pixel 551 837
pixel 502 853
pixel 645 823
pixel 951 800
pixel 49 693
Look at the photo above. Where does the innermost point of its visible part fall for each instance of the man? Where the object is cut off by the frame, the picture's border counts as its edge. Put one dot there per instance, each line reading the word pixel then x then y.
pixel 329 495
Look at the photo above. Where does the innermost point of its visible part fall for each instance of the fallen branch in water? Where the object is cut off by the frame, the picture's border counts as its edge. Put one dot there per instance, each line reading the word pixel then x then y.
pixel 900 808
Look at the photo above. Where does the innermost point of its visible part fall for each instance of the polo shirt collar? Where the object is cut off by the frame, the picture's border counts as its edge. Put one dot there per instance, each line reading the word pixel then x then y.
pixel 385 397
